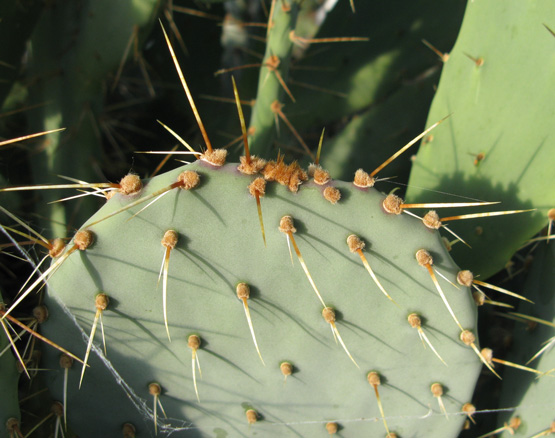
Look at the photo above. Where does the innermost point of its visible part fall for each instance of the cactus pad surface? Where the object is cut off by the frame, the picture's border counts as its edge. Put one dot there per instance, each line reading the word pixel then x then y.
pixel 299 380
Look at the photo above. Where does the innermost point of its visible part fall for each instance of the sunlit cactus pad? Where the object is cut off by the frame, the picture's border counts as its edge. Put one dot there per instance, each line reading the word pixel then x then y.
pixel 219 245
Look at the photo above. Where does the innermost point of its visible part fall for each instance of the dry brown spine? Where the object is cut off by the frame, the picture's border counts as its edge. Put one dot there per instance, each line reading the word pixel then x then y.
pixel 272 63
pixel 257 188
pixel 289 175
pixel 374 380
pixel 478 61
pixel 443 56
pixel 487 354
pixel 252 166
pixel 270 170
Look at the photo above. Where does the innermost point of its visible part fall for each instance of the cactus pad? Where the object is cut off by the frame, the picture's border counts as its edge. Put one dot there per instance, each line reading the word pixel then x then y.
pixel 252 326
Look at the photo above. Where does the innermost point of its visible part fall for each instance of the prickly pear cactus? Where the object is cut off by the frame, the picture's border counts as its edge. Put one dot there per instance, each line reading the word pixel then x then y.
pixel 252 321
pixel 214 301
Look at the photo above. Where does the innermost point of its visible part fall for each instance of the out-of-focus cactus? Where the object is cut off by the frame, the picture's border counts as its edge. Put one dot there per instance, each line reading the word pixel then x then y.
pixel 333 82
pixel 532 395
pixel 17 21
pixel 73 50
pixel 9 375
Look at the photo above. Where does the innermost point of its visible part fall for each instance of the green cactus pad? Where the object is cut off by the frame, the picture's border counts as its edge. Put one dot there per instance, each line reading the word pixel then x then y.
pixel 512 125
pixel 220 245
